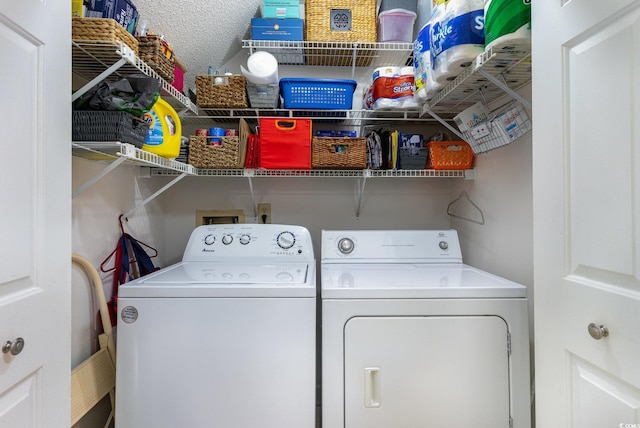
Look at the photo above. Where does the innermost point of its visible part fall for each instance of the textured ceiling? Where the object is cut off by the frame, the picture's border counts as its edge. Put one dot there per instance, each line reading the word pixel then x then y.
pixel 201 33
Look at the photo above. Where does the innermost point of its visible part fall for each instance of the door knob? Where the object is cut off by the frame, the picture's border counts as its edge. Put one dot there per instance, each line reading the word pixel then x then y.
pixel 13 348
pixel 598 331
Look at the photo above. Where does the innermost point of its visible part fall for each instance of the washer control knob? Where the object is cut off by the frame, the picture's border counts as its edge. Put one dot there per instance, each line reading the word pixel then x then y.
pixel 443 245
pixel 286 240
pixel 227 239
pixel 13 348
pixel 346 245
pixel 209 239
pixel 245 239
pixel 597 331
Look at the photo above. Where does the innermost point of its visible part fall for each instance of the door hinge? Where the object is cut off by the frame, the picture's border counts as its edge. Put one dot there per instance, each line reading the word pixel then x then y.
pixel 510 422
pixel 509 344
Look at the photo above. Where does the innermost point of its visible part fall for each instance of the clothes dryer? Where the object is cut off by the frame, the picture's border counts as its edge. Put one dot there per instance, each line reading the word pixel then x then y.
pixel 226 337
pixel 413 337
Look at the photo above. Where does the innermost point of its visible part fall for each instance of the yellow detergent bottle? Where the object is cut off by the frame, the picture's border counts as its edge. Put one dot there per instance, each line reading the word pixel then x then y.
pixel 165 130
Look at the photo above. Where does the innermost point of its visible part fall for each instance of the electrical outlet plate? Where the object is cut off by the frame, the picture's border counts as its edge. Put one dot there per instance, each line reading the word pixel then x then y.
pixel 264 213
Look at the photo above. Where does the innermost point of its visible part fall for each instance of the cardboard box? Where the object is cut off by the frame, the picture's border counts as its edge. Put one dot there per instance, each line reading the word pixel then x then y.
pixel 123 11
pixel 281 29
pixel 281 9
pixel 276 29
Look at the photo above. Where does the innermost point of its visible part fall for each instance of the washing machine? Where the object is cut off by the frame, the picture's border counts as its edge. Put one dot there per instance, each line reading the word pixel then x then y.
pixel 413 337
pixel 225 338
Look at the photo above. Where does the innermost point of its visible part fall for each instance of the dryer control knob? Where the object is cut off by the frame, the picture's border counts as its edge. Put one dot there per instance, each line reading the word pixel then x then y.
pixel 346 245
pixel 443 245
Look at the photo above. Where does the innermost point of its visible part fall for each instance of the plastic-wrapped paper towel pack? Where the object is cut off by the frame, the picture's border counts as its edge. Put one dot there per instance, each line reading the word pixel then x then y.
pixel 262 69
pixel 456 37
pixel 507 23
pixel 391 88
pixel 425 86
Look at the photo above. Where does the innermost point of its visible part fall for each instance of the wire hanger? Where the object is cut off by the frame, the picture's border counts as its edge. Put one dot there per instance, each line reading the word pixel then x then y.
pixel 103 267
pixel 465 195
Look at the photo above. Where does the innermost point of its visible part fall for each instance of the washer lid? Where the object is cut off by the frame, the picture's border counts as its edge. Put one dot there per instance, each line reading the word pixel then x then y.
pixel 400 281
pixel 225 279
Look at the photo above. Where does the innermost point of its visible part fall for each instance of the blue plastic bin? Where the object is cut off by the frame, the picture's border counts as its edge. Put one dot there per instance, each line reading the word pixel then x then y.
pixel 317 93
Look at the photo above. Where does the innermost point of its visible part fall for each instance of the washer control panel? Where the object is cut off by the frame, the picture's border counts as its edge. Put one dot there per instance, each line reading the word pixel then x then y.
pixel 230 241
pixel 419 246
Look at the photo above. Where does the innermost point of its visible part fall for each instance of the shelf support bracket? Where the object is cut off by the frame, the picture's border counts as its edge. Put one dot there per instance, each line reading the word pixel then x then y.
pixel 353 60
pixel 99 78
pixel 249 173
pixel 365 174
pixel 99 176
pixel 152 197
pixel 505 88
pixel 446 125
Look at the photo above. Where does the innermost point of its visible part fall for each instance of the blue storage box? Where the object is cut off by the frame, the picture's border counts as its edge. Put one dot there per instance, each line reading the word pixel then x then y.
pixel 317 93
pixel 276 29
pixel 281 9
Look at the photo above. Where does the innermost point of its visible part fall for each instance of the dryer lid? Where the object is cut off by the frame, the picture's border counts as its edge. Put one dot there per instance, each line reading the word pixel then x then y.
pixel 400 281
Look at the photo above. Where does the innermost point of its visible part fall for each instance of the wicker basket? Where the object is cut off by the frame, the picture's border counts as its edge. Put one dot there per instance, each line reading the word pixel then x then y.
pixel 323 23
pixel 102 29
pixel 449 155
pixel 152 52
pixel 231 93
pixel 338 153
pixel 93 125
pixel 204 154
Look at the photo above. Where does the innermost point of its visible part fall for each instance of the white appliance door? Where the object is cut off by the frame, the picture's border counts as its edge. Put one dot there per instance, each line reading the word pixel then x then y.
pixel 586 189
pixel 413 372
pixel 35 213
pixel 223 363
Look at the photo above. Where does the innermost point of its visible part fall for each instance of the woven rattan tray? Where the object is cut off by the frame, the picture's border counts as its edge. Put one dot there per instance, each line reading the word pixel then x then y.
pixel 102 29
pixel 150 50
pixel 338 153
pixel 230 93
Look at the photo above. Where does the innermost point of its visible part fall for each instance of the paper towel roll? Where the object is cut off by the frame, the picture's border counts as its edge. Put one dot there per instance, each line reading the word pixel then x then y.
pixel 385 72
pixel 507 24
pixel 421 62
pixel 457 37
pixel 262 69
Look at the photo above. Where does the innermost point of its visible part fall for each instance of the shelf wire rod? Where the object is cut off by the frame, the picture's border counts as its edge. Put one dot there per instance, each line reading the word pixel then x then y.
pixel 353 60
pixel 98 176
pixel 365 175
pixel 99 78
pixel 152 197
pixel 505 88
pixel 446 125
pixel 249 174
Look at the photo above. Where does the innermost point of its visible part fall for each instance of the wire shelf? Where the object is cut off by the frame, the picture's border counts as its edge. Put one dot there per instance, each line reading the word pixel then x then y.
pixel 335 54
pixel 511 67
pixel 366 173
pixel 90 59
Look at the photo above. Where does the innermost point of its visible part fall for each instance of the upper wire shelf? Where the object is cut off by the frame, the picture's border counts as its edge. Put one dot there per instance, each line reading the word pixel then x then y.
pixel 491 75
pixel 90 59
pixel 335 54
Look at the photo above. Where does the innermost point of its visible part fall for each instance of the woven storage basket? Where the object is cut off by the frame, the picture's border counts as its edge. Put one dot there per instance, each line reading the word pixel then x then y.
pixel 102 29
pixel 93 125
pixel 449 155
pixel 151 52
pixel 204 154
pixel 338 153
pixel 340 21
pixel 232 93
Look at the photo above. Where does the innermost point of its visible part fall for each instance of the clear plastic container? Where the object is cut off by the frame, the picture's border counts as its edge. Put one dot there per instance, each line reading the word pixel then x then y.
pixel 396 25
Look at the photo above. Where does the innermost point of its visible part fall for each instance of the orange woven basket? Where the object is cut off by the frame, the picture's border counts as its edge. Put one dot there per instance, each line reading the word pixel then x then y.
pixel 449 155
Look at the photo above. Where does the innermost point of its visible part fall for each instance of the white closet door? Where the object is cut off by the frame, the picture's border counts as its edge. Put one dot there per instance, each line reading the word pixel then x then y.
pixel 586 187
pixel 35 213
pixel 426 372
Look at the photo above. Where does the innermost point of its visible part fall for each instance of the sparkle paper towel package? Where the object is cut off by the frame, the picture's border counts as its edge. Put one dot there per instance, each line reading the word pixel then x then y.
pixel 456 37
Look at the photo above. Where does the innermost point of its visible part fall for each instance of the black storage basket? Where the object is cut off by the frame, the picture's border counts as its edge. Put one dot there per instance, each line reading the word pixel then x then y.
pixel 92 125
